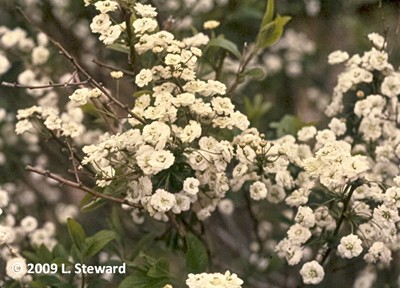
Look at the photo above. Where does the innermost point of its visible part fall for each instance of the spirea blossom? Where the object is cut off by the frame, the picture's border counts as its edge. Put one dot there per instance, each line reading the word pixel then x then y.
pixel 312 273
pixel 350 246
pixel 214 280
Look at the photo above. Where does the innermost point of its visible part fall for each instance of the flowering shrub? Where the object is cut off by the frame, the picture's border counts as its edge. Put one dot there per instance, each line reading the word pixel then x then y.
pixel 183 153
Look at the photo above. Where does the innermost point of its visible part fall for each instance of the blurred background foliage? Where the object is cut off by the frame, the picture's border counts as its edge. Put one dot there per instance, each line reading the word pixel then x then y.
pixel 293 89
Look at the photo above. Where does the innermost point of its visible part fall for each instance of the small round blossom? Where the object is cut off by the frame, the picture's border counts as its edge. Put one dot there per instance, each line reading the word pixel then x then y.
pixel 144 25
pixel 305 217
pixel 306 133
pixel 40 55
pixel 350 246
pixel 145 10
pixel 80 96
pixel 117 74
pixel 297 234
pixel 378 251
pixel 191 186
pixel 258 190
pixel 29 224
pixel 4 64
pixel 143 78
pixel 106 6
pixel 100 23
pixel 16 268
pixel 312 272
pixel 377 40
pixel 211 24
pixel 162 201
pixel 337 57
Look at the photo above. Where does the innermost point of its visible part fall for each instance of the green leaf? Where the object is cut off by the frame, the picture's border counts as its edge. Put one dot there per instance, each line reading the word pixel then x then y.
pixel 141 280
pixel 49 280
pixel 146 240
pixel 76 233
pixel 44 254
pixel 255 73
pixel 119 48
pixel 89 203
pixel 269 13
pixel 97 242
pixel 226 45
pixel 272 32
pixel 196 255
pixel 288 125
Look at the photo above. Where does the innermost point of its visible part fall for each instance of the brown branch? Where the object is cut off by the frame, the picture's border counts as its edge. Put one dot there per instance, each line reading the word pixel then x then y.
pixel 81 187
pixel 50 85
pixel 177 225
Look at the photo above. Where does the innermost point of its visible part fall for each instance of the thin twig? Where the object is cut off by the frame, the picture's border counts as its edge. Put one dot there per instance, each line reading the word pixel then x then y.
pixel 89 77
pixel 74 166
pixel 80 186
pixel 50 85
pixel 177 225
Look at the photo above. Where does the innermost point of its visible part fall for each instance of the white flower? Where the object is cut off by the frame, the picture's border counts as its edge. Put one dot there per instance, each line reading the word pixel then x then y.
pixel 191 186
pixel 190 132
pixel 157 134
pixel 111 34
pixel 100 23
pixel 258 190
pixel 5 235
pixel 350 246
pixel 312 272
pixel 161 160
pixel 162 200
pixel 377 40
pixel 80 96
pixel 145 10
pixel 305 217
pixel 378 251
pixel 297 234
pixel 23 126
pixel 40 55
pixel 337 57
pixel 226 207
pixel 143 25
pixel 144 77
pixel 337 126
pixel 106 6
pixel 222 105
pixel 391 85
pixel 214 280
pixel 16 268
pixel 4 64
pixel 29 224
pixel 116 74
pixel 211 24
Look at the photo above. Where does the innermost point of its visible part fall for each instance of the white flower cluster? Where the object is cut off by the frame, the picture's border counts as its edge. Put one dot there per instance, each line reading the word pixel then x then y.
pixel 102 23
pixel 177 109
pixel 356 159
pixel 227 280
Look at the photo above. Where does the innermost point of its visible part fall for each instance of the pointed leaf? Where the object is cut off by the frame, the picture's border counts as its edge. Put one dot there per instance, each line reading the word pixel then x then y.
pixel 255 73
pixel 225 44
pixel 196 255
pixel 272 32
pixel 269 13
pixel 97 242
pixel 76 233
pixel 140 280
